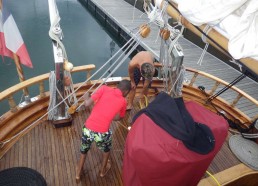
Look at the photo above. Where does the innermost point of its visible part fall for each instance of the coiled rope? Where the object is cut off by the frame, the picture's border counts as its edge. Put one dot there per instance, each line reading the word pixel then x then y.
pixel 52 111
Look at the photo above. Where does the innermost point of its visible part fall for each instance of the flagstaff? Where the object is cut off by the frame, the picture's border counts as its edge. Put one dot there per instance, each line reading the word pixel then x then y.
pixel 14 47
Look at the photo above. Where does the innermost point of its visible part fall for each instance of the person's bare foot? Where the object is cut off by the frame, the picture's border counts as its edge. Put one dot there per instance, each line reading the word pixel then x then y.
pixel 108 166
pixel 78 176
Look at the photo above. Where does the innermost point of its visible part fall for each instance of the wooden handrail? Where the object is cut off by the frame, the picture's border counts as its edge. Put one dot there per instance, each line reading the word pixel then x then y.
pixel 35 80
pixel 242 93
pixel 8 94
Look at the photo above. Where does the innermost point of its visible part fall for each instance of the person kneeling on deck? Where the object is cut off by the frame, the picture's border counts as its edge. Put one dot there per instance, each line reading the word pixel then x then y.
pixel 141 66
pixel 97 126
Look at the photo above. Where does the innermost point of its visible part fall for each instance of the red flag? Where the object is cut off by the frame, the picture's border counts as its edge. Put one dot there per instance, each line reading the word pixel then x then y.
pixel 10 38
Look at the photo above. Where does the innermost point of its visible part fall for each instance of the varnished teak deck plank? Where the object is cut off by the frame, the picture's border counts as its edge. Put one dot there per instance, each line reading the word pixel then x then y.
pixel 54 152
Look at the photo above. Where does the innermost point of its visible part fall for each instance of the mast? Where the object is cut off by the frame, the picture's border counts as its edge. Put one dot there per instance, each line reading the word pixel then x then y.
pixel 61 118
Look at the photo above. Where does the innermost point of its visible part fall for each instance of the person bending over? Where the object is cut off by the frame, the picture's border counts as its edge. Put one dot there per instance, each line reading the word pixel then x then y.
pixel 110 104
pixel 141 66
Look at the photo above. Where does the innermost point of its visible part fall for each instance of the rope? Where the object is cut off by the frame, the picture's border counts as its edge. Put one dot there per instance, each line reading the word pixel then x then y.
pixel 199 62
pixel 134 10
pixel 69 89
pixel 239 78
pixel 250 73
pixel 124 126
pixel 206 30
pixel 62 97
pixel 176 39
pixel 246 135
pixel 213 178
pixel 129 43
pixel 119 64
pixel 21 98
pixel 107 62
pixel 154 14
pixel 164 60
pixel 55 32
pixel 51 108
pixel 146 102
pixel 205 33
pixel 180 79
pixel 232 60
pixel 52 111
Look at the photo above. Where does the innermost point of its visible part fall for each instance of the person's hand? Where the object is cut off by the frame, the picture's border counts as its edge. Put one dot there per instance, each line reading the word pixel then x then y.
pixel 86 96
pixel 133 86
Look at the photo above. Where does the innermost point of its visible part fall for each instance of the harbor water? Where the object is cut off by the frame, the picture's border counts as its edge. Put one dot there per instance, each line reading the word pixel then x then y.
pixel 85 39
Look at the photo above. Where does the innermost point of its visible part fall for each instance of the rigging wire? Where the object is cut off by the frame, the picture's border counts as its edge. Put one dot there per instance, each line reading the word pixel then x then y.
pixel 134 10
pixel 69 89
pixel 55 30
pixel 224 50
pixel 206 30
pixel 159 17
pixel 2 143
pixel 119 64
pixel 239 78
pixel 250 73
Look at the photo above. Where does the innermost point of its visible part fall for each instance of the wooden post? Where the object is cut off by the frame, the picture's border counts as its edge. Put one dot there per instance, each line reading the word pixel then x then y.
pixel 41 89
pixel 12 104
pixel 20 72
pixel 88 75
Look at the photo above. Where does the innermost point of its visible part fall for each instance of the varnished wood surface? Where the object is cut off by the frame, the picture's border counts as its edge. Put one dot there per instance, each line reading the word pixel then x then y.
pixel 36 80
pixel 54 153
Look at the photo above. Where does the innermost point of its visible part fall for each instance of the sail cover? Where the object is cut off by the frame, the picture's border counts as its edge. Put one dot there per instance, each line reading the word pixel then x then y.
pixel 231 26
pixel 237 20
pixel 153 156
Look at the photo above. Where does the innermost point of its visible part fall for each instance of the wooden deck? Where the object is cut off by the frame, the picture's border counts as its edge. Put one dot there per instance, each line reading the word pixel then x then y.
pixel 123 16
pixel 54 153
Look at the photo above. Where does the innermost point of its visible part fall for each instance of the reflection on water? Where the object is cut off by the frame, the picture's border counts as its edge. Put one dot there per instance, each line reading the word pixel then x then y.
pixel 85 41
pixel 112 45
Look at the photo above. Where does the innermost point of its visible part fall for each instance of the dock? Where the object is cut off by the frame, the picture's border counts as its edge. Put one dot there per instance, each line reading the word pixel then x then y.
pixel 123 18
